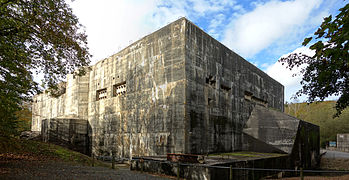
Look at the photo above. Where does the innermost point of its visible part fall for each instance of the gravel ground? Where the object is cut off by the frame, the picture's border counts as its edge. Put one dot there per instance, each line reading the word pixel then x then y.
pixel 331 160
pixel 27 167
pixel 335 160
pixel 22 169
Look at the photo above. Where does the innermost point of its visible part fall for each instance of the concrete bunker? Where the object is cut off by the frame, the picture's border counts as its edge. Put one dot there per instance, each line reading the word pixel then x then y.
pixel 178 90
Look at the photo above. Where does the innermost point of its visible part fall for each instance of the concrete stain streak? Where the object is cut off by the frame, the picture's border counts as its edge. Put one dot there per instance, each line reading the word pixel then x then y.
pixel 182 92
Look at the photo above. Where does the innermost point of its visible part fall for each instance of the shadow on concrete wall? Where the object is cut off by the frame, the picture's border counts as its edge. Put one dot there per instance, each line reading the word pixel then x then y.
pixel 70 133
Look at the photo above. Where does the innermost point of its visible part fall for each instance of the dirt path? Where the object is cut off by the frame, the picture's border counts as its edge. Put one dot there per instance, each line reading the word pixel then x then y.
pixel 24 169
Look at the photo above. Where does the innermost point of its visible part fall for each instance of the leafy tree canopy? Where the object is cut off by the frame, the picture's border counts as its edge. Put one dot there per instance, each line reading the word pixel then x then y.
pixel 41 36
pixel 327 71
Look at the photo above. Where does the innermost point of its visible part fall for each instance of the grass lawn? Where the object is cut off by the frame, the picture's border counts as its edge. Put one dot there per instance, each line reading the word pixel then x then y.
pixel 15 148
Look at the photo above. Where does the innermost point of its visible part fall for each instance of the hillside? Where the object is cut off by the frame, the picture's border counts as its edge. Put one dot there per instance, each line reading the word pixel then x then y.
pixel 28 159
pixel 321 114
pixel 20 149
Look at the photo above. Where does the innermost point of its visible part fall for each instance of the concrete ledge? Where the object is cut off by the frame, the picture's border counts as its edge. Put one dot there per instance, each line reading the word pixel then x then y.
pixel 213 169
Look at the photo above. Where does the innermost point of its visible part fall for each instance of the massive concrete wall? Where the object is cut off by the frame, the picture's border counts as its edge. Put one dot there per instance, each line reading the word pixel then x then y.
pixel 177 90
pixel 306 147
pixel 72 102
pixel 272 127
pixel 145 114
pixel 42 109
pixel 69 132
pixel 221 90
pixel 269 130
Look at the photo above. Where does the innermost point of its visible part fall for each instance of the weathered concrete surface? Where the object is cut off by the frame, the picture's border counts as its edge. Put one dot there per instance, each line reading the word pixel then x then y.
pixel 177 90
pixel 71 133
pixel 306 148
pixel 134 101
pixel 148 118
pixel 214 169
pixel 218 82
pixel 72 103
pixel 275 131
pixel 272 127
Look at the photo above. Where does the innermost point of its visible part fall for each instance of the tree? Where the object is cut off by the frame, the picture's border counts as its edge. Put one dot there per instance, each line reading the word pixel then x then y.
pixel 41 36
pixel 327 72
pixel 24 117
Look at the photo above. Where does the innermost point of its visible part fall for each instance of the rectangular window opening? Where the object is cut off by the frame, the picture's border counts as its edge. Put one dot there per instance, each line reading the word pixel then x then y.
pixel 119 89
pixel 101 94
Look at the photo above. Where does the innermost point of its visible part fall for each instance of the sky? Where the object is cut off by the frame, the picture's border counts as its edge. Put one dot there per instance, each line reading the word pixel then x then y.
pixel 261 31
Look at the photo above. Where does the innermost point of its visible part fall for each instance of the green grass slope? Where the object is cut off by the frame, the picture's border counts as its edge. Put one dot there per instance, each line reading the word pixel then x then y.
pixel 20 149
pixel 321 114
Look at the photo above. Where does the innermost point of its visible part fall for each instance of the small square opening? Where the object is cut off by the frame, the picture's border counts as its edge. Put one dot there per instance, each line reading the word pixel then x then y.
pixel 119 89
pixel 101 94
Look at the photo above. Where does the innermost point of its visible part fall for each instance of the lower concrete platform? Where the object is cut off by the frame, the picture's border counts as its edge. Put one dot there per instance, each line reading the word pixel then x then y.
pixel 216 166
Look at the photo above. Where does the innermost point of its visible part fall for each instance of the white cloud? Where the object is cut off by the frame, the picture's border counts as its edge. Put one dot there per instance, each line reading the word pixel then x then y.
pixel 215 23
pixel 112 25
pixel 209 6
pixel 265 65
pixel 283 75
pixel 266 24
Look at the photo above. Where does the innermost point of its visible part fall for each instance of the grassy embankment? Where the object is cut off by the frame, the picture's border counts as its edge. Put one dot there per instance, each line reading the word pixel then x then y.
pixel 321 114
pixel 18 149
